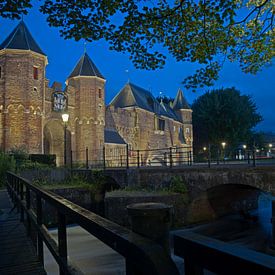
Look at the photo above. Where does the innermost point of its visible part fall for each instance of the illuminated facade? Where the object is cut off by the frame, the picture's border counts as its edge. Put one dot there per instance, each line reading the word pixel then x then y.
pixel 30 110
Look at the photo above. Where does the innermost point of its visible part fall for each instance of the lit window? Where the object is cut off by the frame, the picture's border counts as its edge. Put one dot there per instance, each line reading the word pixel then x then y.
pixel 35 73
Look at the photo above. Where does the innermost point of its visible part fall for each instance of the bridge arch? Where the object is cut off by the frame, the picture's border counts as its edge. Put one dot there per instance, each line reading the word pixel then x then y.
pixel 224 199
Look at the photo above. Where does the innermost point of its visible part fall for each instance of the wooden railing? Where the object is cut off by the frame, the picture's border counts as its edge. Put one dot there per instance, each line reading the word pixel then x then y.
pixel 142 255
pixel 201 252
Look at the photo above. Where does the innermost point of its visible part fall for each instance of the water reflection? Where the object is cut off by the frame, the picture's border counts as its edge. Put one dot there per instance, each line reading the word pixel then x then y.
pixel 247 228
pixel 264 212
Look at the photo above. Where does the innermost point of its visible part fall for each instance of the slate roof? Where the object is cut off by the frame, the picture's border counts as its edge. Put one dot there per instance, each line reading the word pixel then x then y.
pixel 21 39
pixel 112 136
pixel 85 67
pixel 132 95
pixel 180 101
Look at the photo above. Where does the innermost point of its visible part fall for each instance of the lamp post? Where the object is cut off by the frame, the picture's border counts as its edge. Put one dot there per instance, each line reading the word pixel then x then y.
pixel 269 150
pixel 204 151
pixel 244 148
pixel 223 151
pixel 65 118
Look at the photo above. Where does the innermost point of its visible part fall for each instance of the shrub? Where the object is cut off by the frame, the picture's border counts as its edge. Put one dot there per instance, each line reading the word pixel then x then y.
pixel 178 185
pixel 7 163
pixel 44 159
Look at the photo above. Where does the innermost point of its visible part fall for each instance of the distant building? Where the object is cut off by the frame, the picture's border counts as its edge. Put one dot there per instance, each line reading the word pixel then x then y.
pixel 30 110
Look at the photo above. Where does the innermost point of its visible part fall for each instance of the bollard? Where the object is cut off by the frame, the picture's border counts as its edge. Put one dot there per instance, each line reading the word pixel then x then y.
pixel 151 220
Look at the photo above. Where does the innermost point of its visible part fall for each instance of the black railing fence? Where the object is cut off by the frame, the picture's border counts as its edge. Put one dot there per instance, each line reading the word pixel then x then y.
pixel 125 157
pixel 142 256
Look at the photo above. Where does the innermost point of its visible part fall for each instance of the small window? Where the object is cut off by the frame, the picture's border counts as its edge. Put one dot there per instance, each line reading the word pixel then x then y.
pixel 35 73
pixel 0 72
pixel 35 89
pixel 187 130
pixel 99 93
pixel 161 124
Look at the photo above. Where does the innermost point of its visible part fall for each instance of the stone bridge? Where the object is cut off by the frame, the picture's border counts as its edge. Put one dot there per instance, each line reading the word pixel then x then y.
pixel 199 179
pixel 212 192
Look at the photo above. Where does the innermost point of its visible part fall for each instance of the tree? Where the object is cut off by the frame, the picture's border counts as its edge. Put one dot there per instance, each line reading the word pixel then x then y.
pixel 206 32
pixel 223 115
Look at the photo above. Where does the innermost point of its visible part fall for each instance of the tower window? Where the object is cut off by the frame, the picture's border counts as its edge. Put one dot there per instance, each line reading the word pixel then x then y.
pixel 0 72
pixel 35 73
pixel 35 89
pixel 99 93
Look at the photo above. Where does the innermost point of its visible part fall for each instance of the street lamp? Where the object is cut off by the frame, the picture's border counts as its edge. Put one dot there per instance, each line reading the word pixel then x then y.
pixel 65 118
pixel 223 147
pixel 244 148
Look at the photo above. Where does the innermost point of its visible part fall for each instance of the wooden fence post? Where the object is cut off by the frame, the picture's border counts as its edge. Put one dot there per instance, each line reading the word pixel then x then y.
pixel 62 240
pixel 21 198
pixel 40 251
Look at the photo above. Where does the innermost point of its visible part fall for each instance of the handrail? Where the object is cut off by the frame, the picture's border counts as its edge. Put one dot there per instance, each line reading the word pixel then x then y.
pixel 142 255
pixel 201 252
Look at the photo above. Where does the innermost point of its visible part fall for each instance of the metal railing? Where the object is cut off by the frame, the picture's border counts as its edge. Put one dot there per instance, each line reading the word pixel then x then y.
pixel 125 157
pixel 142 255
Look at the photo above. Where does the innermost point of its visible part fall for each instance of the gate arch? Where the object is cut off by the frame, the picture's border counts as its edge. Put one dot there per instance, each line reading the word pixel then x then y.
pixel 54 141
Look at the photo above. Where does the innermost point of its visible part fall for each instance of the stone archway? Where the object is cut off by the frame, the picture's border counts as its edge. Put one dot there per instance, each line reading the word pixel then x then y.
pixel 220 200
pixel 54 141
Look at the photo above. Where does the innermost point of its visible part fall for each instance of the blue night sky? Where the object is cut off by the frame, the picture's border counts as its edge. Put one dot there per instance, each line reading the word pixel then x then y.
pixel 64 54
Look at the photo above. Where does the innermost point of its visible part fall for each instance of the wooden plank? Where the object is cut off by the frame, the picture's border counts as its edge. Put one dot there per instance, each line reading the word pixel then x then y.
pixel 17 254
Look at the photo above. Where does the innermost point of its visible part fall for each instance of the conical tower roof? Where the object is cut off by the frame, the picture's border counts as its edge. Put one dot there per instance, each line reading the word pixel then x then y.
pixel 21 39
pixel 180 101
pixel 86 67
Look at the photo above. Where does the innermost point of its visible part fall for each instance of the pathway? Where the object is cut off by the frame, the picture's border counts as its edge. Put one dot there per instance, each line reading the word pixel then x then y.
pixel 17 254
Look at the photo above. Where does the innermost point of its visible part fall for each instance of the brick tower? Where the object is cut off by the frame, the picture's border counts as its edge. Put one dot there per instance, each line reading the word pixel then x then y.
pixel 184 111
pixel 86 89
pixel 22 89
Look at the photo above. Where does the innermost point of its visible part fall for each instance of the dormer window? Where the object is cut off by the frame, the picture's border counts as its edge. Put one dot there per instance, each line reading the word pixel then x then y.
pixel 35 73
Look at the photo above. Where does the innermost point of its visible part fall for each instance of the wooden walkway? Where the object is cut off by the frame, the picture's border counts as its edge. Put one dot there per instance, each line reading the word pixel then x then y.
pixel 17 254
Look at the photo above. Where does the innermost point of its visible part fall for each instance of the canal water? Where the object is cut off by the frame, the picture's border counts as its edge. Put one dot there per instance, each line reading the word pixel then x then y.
pixel 246 229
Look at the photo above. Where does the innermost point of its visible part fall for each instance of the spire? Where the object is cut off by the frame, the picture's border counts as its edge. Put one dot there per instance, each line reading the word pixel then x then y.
pixel 85 67
pixel 85 46
pixel 180 101
pixel 21 39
